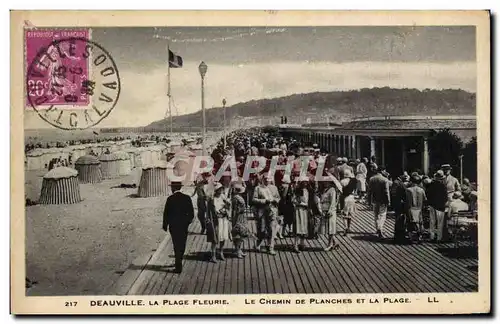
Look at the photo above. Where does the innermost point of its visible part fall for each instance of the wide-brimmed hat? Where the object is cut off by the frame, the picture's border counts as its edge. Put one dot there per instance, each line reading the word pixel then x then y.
pixel 415 178
pixel 446 167
pixel 238 187
pixel 348 173
pixel 303 179
pixel 427 181
pixel 218 186
pixel 439 175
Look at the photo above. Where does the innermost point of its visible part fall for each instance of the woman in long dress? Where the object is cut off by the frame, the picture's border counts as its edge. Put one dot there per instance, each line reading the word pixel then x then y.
pixel 301 204
pixel 349 184
pixel 286 205
pixel 240 229
pixel 328 203
pixel 314 210
pixel 218 226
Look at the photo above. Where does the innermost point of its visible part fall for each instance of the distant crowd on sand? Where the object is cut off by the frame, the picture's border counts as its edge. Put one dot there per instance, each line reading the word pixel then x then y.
pixel 299 206
pixel 33 143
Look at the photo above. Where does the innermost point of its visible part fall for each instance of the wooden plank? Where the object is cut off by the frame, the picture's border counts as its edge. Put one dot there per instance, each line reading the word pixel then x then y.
pixel 123 284
pixel 244 279
pixel 294 269
pixel 379 270
pixel 411 256
pixel 448 272
pixel 333 281
pixel 382 270
pixel 394 271
pixel 322 273
pixel 308 264
pixel 361 265
pixel 357 267
pixel 234 270
pixel 190 274
pixel 205 289
pixel 254 274
pixel 225 275
pixel 214 278
pixel 201 269
pixel 179 280
pixel 272 260
pixel 287 284
pixel 290 275
pixel 168 277
pixel 155 280
pixel 159 256
pixel 405 259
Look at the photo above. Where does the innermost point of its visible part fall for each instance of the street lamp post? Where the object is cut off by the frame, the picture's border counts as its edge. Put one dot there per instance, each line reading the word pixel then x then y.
pixel 461 169
pixel 224 133
pixel 203 70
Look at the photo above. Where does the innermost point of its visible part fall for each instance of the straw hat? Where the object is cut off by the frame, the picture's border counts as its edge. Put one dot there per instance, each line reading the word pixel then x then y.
pixel 238 187
pixel 446 167
pixel 439 175
pixel 303 179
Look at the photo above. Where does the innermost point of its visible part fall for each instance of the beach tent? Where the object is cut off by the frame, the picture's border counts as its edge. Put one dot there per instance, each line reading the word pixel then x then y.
pixel 154 180
pixel 78 151
pixel 35 160
pixel 197 149
pixel 60 186
pixel 110 165
pixel 89 169
pixel 124 165
pixel 134 156
pixel 175 146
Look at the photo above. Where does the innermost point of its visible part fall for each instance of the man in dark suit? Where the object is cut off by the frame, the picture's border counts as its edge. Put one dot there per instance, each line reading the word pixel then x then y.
pixel 177 216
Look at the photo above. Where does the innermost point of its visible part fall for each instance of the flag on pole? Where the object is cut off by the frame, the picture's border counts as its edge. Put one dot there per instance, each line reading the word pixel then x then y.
pixel 174 61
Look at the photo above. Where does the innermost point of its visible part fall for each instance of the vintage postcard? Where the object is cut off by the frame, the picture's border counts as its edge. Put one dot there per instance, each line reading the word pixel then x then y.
pixel 250 162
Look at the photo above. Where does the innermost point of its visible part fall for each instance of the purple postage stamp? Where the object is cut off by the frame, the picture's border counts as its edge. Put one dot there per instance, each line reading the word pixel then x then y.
pixel 71 81
pixel 63 67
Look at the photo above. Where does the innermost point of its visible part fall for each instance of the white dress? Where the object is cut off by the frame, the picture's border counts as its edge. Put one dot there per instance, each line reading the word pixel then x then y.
pixel 223 226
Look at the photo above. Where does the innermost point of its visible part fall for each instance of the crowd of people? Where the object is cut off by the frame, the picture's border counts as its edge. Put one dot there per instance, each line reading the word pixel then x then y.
pixel 298 205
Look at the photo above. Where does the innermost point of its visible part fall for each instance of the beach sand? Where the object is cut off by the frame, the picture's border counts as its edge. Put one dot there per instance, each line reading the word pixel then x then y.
pixel 81 249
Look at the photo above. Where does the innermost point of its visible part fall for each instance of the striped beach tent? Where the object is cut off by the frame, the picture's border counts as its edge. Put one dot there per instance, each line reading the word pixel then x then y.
pixel 35 160
pixel 154 180
pixel 60 186
pixel 124 165
pixel 89 169
pixel 110 165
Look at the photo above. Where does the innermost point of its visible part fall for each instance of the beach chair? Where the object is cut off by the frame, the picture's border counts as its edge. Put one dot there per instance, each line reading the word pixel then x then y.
pixel 462 226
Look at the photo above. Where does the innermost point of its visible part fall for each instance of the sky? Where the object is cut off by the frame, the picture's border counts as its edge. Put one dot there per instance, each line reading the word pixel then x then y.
pixel 254 63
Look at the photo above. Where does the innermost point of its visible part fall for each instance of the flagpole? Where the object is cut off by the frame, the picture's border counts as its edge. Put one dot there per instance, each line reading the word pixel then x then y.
pixel 169 93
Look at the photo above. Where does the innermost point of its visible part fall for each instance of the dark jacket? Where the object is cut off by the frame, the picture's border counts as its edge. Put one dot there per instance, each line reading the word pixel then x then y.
pixel 437 195
pixel 379 190
pixel 179 212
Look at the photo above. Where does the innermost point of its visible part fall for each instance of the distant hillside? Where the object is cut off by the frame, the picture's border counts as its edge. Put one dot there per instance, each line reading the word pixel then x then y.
pixel 336 106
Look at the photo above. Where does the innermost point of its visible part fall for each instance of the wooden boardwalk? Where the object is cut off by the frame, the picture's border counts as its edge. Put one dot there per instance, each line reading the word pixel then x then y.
pixel 363 264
